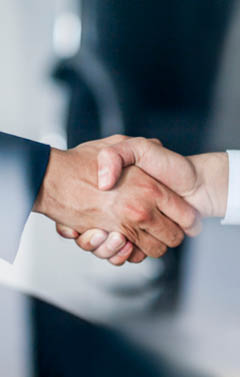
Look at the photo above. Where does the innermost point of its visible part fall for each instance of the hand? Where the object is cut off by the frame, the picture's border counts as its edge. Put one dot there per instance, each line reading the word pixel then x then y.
pixel 202 180
pixel 69 195
pixel 113 245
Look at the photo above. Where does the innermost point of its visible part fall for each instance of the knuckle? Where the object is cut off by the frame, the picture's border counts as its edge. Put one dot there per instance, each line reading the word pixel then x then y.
pixel 121 240
pixel 152 189
pixel 117 236
pixel 137 213
pixel 117 138
pixel 156 141
pixel 142 216
pixel 141 139
pixel 143 143
pixel 115 242
pixel 92 239
pixel 149 142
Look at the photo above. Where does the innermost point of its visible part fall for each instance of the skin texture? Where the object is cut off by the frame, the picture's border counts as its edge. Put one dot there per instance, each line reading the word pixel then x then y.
pixel 210 197
pixel 202 180
pixel 138 208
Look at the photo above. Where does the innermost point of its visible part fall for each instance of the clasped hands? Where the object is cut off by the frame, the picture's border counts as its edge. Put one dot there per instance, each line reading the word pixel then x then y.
pixel 127 198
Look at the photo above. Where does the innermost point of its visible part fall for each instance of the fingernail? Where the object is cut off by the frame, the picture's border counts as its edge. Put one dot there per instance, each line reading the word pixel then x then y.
pixel 115 242
pixel 98 239
pixel 103 178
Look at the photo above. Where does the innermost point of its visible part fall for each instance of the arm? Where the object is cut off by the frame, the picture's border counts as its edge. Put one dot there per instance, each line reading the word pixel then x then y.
pixel 202 180
pixel 173 209
pixel 22 168
pixel 138 207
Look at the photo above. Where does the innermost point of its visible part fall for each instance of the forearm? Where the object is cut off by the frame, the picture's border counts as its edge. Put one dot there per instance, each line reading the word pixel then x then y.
pixel 47 201
pixel 22 167
pixel 212 170
pixel 70 196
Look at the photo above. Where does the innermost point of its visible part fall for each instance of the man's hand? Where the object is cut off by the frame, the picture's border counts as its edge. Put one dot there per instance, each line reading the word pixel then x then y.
pixel 138 207
pixel 112 246
pixel 202 180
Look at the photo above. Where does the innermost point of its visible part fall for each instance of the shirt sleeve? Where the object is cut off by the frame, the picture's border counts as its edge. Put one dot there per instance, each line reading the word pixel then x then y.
pixel 22 167
pixel 232 216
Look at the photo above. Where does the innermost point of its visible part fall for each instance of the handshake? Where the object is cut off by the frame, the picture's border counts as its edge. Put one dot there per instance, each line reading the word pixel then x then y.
pixel 128 198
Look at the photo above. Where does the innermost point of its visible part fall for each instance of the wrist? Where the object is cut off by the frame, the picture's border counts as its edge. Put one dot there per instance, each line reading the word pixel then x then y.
pixel 48 190
pixel 69 194
pixel 212 189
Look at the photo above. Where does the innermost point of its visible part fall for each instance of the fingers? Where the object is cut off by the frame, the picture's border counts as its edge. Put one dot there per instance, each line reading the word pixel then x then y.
pixel 122 256
pixel 66 232
pixel 137 256
pixel 114 243
pixel 179 211
pixel 149 245
pixel 164 230
pixel 110 165
pixel 112 246
pixel 168 167
pixel 92 239
pixel 112 159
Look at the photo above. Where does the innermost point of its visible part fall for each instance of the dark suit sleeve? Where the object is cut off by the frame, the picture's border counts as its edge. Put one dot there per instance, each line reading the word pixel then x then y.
pixel 22 167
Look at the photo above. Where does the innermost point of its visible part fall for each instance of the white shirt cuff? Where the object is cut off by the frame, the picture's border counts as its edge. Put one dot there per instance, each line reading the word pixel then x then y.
pixel 232 216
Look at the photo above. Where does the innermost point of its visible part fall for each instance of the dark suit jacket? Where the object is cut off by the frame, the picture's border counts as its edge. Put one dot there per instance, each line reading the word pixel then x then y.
pixel 147 68
pixel 22 167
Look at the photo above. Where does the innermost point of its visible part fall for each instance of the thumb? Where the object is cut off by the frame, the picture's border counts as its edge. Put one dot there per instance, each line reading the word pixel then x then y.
pixel 168 167
pixel 111 161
